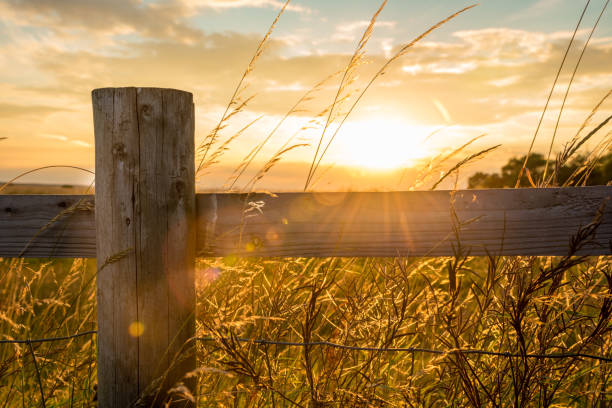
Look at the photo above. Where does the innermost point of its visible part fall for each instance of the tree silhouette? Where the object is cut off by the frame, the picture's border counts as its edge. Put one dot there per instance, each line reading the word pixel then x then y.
pixel 579 171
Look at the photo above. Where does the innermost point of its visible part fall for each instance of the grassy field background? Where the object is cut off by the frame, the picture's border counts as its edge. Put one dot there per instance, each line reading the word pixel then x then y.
pixel 511 304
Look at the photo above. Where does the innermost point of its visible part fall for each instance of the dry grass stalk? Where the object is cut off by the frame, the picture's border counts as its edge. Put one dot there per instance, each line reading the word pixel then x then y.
pixel 5 185
pixel 214 158
pixel 552 89
pixel 463 162
pixel 346 81
pixel 403 50
pixel 248 159
pixel 436 163
pixel 235 104
pixel 569 86
pixel 591 114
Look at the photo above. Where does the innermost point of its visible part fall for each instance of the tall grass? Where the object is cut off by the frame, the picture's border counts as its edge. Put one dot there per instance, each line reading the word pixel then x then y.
pixel 43 299
pixel 517 305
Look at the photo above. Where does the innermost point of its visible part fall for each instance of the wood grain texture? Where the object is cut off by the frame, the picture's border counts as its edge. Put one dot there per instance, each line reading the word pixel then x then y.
pixel 502 222
pixel 145 204
pixel 507 222
pixel 117 160
pixel 68 233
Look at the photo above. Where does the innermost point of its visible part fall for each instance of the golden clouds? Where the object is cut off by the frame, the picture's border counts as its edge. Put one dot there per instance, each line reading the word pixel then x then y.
pixel 55 52
pixel 227 4
pixel 154 20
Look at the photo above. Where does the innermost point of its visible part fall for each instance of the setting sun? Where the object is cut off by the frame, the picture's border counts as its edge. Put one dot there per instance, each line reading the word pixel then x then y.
pixel 381 144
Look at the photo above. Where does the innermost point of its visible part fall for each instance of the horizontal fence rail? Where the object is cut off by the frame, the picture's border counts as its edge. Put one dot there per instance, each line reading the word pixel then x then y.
pixel 421 223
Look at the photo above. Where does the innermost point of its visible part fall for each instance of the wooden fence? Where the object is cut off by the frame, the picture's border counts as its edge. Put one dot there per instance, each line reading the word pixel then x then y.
pixel 146 225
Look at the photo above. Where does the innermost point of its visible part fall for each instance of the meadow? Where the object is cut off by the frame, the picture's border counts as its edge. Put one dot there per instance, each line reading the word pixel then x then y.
pixel 516 314
pixel 520 305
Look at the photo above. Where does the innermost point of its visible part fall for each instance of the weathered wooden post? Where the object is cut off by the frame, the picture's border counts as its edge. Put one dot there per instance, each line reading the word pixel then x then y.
pixel 145 226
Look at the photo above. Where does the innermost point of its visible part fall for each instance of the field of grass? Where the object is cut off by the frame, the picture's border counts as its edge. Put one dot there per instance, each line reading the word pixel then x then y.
pixel 44 299
pixel 509 304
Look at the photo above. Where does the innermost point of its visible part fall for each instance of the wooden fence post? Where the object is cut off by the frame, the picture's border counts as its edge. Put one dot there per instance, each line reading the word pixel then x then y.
pixel 145 226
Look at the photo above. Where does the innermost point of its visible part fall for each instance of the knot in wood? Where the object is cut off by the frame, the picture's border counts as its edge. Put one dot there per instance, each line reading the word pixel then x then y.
pixel 179 187
pixel 118 149
pixel 146 110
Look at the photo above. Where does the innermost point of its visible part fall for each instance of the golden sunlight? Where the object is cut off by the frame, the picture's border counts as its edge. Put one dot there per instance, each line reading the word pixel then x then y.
pixel 381 144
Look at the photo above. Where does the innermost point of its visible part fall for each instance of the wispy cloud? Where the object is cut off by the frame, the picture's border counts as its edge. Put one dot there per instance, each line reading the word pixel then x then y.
pixel 11 110
pixel 155 20
pixel 537 9
pixel 61 138
pixel 349 31
pixel 503 82
pixel 80 143
pixel 227 4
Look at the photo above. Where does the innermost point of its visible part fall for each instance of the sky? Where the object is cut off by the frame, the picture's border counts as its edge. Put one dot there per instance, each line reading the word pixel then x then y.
pixel 485 73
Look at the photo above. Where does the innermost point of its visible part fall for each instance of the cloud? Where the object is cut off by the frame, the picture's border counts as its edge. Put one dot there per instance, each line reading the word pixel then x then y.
pixel 10 110
pixel 80 143
pixel 503 46
pixel 536 9
pixel 413 69
pixel 481 78
pixel 155 20
pixel 227 4
pixel 274 86
pixel 503 82
pixel 461 74
pixel 61 138
pixel 478 63
pixel 350 31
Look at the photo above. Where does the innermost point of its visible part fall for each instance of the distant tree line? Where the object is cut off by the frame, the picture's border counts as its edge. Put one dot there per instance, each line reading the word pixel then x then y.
pixel 579 171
